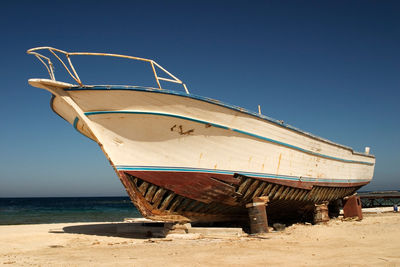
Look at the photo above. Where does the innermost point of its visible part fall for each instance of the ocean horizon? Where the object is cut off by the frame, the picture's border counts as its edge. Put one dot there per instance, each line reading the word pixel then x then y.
pixel 40 210
pixel 43 210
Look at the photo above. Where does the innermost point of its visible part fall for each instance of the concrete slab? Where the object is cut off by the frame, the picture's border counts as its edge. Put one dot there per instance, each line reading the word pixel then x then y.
pixel 140 220
pixel 217 231
pixel 147 227
pixel 378 210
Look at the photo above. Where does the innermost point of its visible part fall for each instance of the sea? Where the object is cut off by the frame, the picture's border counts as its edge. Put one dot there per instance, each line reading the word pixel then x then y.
pixel 65 209
pixel 109 209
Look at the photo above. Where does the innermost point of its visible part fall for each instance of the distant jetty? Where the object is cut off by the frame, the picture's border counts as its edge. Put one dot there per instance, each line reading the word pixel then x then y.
pixel 379 198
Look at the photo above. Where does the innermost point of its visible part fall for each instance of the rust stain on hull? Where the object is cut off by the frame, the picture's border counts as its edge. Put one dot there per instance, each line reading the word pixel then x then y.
pixel 279 163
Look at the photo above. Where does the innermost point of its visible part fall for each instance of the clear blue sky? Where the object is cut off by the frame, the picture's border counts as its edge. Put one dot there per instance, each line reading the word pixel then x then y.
pixel 331 68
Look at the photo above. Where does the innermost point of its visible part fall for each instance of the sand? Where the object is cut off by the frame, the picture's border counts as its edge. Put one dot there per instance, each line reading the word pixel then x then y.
pixel 374 241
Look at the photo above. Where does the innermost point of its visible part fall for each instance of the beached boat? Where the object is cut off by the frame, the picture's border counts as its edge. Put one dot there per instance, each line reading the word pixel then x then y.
pixel 183 157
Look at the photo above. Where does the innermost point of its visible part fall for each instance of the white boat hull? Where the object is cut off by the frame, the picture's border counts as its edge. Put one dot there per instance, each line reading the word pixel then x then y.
pixel 200 149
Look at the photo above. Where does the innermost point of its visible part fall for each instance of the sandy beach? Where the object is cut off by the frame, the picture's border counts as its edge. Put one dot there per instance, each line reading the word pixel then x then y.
pixel 374 241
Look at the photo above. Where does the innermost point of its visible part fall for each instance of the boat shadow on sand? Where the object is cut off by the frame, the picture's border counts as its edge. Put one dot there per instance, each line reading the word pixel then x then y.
pixel 126 230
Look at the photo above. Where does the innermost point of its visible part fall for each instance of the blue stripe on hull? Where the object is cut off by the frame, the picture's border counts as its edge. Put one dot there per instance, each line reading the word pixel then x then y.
pixel 232 129
pixel 76 123
pixel 208 100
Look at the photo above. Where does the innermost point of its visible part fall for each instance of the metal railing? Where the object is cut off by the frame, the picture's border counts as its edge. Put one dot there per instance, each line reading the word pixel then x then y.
pixel 74 75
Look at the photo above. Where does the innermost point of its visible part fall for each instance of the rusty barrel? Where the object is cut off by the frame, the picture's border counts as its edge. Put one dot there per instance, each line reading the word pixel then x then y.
pixel 258 217
pixel 321 213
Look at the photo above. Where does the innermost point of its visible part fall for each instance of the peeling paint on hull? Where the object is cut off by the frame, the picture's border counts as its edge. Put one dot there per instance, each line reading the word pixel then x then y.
pixel 175 197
